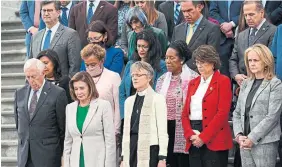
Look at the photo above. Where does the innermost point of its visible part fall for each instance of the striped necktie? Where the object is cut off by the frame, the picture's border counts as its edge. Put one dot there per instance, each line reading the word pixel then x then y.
pixel 90 12
pixel 33 103
pixel 64 16
pixel 190 33
pixel 176 13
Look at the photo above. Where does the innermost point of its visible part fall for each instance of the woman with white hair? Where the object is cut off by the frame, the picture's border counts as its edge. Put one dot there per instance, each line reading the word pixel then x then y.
pixel 145 136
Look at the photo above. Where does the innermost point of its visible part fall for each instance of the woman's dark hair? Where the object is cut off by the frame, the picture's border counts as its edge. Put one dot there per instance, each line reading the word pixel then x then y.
pixel 183 52
pixel 53 57
pixel 154 53
pixel 100 27
pixel 207 54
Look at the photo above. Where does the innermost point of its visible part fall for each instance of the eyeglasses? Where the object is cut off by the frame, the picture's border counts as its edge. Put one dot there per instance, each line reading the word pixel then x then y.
pixel 137 75
pixel 47 10
pixel 143 47
pixel 94 39
pixel 199 63
pixel 91 65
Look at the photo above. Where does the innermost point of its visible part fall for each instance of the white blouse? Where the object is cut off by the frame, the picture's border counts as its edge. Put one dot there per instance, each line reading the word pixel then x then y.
pixel 197 98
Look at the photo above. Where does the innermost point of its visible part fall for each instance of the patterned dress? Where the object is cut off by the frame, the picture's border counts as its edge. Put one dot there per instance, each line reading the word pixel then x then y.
pixel 175 98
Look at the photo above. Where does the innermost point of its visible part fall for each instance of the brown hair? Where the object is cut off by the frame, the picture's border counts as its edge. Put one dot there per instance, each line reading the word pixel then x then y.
pixel 86 78
pixel 151 12
pixel 265 56
pixel 208 54
pixel 93 50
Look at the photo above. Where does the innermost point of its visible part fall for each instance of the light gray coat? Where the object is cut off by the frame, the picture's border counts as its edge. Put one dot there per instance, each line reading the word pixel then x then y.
pixel 264 113
pixel 264 36
pixel 97 137
pixel 66 43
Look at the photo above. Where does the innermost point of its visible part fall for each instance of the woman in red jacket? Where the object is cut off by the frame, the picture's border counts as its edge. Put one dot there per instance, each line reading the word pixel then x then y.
pixel 205 115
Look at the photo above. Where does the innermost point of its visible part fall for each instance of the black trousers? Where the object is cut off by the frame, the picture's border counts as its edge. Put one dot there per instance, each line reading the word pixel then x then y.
pixel 174 159
pixel 204 157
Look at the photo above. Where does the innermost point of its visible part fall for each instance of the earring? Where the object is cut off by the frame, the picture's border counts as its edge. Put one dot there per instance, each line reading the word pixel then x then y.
pixel 182 62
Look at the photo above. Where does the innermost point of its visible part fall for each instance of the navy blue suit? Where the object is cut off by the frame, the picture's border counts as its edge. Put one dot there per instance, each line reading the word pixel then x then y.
pixel 219 11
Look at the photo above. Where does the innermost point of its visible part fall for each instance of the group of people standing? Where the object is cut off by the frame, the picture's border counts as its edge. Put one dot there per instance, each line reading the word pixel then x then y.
pixel 121 87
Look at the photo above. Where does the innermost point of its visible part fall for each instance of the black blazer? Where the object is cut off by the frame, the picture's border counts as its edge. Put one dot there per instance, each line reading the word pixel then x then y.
pixel 273 11
pixel 63 82
pixel 167 8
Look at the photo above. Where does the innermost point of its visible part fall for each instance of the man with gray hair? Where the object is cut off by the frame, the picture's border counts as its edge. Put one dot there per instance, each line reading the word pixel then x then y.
pixel 40 118
pixel 259 31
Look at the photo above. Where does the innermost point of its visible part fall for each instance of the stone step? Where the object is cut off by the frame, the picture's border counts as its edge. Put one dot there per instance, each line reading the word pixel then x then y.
pixel 8 117
pixel 13 34
pixel 13 55
pixel 17 44
pixel 7 104
pixel 12 67
pixel 10 25
pixel 8 91
pixel 9 148
pixel 8 161
pixel 12 79
pixel 8 132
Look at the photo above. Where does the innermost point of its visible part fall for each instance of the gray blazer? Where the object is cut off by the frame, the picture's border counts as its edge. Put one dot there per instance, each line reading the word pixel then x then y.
pixel 97 137
pixel 264 36
pixel 207 33
pixel 66 43
pixel 264 113
pixel 43 134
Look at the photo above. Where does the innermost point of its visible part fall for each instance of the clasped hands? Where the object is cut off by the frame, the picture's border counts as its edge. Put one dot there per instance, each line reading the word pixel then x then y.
pixel 244 142
pixel 226 28
pixel 196 141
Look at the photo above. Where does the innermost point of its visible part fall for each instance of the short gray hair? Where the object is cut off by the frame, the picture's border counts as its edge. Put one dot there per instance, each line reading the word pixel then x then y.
pixel 31 63
pixel 258 4
pixel 138 65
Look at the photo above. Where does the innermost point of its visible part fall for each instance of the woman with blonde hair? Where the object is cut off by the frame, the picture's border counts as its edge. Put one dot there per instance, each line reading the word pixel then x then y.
pixel 257 114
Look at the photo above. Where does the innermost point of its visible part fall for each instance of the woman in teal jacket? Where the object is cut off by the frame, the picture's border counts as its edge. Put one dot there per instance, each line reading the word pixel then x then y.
pixel 147 49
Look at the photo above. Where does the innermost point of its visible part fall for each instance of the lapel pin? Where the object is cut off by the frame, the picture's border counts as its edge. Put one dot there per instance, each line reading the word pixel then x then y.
pixel 45 93
pixel 211 88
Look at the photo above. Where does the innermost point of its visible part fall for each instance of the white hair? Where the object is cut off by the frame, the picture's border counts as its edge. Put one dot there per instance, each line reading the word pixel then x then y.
pixel 34 63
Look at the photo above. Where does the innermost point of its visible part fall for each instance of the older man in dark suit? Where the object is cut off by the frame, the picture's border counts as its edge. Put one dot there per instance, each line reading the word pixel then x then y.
pixel 88 11
pixel 259 31
pixel 63 40
pixel 40 119
pixel 273 11
pixel 196 30
pixel 173 15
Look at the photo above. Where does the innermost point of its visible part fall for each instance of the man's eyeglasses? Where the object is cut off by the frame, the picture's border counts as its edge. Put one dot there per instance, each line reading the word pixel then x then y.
pixel 47 10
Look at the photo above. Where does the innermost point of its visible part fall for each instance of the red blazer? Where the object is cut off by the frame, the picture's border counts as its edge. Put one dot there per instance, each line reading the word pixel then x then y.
pixel 105 12
pixel 216 104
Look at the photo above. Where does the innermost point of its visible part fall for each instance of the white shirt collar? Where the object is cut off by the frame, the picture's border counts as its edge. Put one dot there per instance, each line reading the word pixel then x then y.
pixel 54 28
pixel 95 2
pixel 68 6
pixel 143 93
pixel 207 81
pixel 261 23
